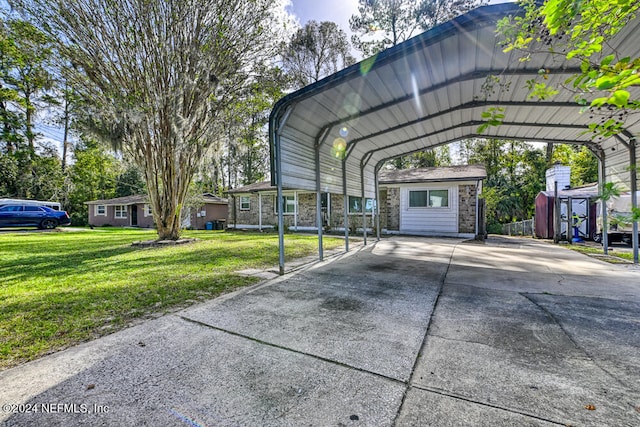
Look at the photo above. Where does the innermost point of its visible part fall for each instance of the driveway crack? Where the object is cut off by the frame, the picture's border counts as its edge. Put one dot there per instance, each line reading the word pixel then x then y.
pixel 590 357
pixel 426 334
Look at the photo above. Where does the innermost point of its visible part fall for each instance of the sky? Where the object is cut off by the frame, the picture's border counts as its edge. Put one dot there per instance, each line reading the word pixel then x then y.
pixel 338 11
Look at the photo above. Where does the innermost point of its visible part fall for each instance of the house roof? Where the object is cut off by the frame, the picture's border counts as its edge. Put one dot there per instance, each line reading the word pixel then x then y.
pixel 126 200
pixel 583 191
pixel 140 198
pixel 253 188
pixel 433 174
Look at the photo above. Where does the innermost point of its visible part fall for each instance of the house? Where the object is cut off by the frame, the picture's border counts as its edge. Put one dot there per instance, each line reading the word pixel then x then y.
pixel 440 201
pixel 135 211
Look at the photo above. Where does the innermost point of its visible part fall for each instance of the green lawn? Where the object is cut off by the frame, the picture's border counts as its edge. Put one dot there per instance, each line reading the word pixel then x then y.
pixel 62 288
pixel 615 256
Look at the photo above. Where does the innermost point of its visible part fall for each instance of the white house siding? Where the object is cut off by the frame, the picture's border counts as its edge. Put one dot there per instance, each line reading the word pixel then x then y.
pixel 436 221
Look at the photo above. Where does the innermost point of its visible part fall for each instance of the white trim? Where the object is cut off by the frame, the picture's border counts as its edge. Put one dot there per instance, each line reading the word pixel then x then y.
pixel 123 208
pixel 147 210
pixel 248 226
pixel 295 210
pixel 240 203
pixel 96 213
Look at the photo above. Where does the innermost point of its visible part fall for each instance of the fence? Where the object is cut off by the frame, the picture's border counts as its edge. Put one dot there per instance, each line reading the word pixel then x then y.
pixel 520 228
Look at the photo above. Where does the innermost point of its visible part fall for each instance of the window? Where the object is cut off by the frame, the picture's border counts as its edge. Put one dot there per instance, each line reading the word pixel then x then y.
pixel 289 203
pixel 12 208
pixel 245 203
pixel 121 211
pixel 429 198
pixel 355 204
pixel 32 209
pixel 439 198
pixel 147 210
pixel 101 210
pixel 418 199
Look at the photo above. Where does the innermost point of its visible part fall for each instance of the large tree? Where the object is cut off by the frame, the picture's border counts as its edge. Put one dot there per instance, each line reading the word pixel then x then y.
pixel 385 23
pixel 159 74
pixel 316 51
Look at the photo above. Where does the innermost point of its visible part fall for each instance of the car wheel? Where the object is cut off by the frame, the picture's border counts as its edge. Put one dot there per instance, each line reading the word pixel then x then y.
pixel 597 237
pixel 48 224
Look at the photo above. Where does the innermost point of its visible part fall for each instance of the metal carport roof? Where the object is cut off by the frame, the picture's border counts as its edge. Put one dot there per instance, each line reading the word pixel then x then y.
pixel 333 135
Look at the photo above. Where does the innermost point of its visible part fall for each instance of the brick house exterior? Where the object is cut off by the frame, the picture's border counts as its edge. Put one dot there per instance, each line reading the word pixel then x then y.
pixel 428 201
pixel 135 211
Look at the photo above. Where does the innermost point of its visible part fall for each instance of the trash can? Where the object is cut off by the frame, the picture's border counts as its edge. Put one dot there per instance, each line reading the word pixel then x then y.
pixel 220 224
pixel 209 225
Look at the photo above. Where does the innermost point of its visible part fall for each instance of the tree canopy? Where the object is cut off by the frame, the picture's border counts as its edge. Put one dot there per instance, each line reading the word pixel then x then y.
pixel 159 76
pixel 316 50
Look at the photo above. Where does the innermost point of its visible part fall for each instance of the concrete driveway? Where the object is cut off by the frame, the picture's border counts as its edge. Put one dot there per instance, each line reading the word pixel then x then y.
pixel 409 331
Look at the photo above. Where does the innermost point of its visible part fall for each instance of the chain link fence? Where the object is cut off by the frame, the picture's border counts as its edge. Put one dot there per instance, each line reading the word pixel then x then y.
pixel 520 228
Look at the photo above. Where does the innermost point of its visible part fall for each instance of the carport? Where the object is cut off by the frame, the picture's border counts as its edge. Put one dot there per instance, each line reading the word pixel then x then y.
pixel 335 135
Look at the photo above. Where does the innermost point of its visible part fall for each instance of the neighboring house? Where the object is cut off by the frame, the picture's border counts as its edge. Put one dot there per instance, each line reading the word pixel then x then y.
pixel 135 211
pixel 428 201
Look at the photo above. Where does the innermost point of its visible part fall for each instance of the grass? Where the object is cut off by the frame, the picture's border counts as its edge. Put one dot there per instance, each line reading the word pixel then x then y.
pixel 614 257
pixel 63 288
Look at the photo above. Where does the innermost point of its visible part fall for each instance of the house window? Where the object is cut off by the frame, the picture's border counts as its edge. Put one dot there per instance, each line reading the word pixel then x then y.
pixel 120 211
pixel 289 203
pixel 245 203
pixel 101 210
pixel 355 204
pixel 147 210
pixel 439 198
pixel 429 198
pixel 418 199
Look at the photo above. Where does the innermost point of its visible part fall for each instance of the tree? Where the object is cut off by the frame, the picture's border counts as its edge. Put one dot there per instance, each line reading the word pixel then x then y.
pixel 316 51
pixel 385 23
pixel 93 176
pixel 26 76
pixel 160 75
pixel 579 30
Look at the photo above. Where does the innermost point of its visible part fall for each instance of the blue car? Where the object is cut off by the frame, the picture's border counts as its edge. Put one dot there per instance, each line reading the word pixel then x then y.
pixel 32 215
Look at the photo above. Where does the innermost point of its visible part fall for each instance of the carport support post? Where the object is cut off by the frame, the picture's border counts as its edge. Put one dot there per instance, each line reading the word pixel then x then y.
pixel 556 214
pixel 603 207
pixel 377 206
pixel 278 167
pixel 317 146
pixel 633 177
pixel 364 206
pixel 346 205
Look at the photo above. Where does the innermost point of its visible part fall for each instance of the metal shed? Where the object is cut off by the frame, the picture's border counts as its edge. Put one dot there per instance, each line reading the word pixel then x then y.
pixel 334 135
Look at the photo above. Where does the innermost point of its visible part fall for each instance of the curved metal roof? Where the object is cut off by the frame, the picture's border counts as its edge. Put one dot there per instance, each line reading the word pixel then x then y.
pixel 426 92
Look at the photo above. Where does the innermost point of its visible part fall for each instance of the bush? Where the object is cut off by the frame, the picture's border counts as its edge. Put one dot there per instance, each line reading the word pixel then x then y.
pixel 78 219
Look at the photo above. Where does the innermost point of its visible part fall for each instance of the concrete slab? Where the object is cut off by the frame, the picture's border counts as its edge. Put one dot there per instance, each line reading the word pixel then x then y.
pixel 369 311
pixel 170 372
pixel 428 408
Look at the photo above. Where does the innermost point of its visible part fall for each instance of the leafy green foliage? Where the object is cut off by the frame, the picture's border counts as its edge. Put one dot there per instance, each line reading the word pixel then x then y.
pixel 579 30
